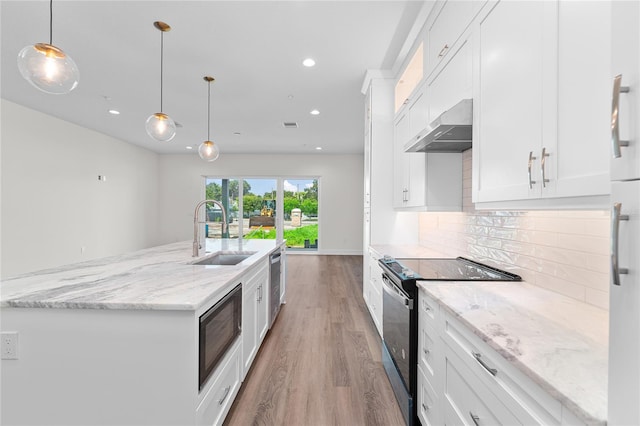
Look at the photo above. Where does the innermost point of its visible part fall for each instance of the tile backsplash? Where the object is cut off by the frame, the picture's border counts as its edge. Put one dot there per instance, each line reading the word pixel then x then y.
pixel 564 251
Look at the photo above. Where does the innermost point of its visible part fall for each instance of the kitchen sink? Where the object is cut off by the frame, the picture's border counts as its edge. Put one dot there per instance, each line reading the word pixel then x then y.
pixel 222 258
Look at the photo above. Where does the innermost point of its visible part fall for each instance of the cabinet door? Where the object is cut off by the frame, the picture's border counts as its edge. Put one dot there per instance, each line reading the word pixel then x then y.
pixel 249 330
pixel 452 83
pixel 428 406
pixel 262 319
pixel 624 312
pixel 515 69
pixel 453 18
pixel 626 62
pixel 400 175
pixel 584 101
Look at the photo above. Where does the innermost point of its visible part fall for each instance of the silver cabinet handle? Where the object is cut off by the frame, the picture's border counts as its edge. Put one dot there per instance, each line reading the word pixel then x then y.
pixel 425 407
pixel 478 358
pixel 226 393
pixel 475 418
pixel 616 143
pixel 444 49
pixel 426 351
pixel 542 163
pixel 616 217
pixel 531 158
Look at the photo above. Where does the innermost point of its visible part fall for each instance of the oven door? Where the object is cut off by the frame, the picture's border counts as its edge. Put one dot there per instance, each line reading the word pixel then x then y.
pixel 396 319
pixel 220 326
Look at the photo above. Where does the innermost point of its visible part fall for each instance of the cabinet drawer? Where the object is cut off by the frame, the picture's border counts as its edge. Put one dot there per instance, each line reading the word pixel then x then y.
pixel 428 352
pixel 428 309
pixel 428 406
pixel 468 400
pixel 524 398
pixel 218 399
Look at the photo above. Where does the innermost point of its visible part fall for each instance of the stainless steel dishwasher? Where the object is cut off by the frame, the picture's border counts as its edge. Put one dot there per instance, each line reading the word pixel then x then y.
pixel 274 285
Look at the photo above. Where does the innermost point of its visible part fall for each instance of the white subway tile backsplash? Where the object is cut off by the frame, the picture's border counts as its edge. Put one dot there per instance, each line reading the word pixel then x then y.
pixel 563 251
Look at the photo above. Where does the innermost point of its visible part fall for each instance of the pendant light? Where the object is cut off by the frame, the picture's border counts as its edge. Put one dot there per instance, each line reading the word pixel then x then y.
pixel 47 67
pixel 159 125
pixel 207 150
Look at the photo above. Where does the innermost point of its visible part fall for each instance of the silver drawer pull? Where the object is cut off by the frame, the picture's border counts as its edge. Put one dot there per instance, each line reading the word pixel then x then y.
pixel 226 393
pixel 475 418
pixel 616 143
pixel 478 358
pixel 616 217
pixel 531 158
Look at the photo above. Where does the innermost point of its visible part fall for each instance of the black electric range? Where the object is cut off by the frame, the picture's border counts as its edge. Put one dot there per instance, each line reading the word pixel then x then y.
pixel 400 315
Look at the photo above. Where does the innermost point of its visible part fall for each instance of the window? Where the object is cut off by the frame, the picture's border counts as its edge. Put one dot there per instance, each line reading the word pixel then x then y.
pixel 266 208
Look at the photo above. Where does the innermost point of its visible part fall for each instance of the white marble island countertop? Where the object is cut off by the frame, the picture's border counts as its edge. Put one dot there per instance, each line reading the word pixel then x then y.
pixel 160 278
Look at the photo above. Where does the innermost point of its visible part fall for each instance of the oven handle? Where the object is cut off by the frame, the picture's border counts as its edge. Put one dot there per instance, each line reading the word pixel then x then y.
pixel 393 291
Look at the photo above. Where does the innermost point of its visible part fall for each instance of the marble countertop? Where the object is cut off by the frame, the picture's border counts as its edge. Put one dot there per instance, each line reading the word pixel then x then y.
pixel 160 278
pixel 558 342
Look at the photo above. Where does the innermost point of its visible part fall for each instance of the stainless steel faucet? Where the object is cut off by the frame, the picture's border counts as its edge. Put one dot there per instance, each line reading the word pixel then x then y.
pixel 196 239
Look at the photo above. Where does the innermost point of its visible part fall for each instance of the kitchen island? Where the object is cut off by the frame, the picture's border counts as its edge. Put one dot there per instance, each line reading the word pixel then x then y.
pixel 115 340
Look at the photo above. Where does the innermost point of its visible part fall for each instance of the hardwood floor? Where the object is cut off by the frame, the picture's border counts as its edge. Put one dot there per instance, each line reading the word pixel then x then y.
pixel 320 363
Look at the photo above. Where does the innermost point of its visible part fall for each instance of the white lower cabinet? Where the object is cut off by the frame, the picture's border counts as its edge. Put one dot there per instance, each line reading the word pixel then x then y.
pixel 463 381
pixel 255 313
pixel 219 397
pixel 372 291
pixel 467 400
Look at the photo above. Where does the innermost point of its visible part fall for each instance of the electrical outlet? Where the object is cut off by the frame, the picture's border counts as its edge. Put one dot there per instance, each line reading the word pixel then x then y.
pixel 9 344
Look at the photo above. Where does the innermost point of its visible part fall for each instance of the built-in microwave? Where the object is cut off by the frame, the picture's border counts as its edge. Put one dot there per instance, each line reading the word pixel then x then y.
pixel 220 326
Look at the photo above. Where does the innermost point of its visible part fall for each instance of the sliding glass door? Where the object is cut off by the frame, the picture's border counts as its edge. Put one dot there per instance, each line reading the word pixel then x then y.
pixel 266 208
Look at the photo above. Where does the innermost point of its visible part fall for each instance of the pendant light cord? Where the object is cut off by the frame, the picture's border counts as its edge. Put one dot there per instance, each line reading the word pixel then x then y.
pixel 51 22
pixel 209 111
pixel 161 64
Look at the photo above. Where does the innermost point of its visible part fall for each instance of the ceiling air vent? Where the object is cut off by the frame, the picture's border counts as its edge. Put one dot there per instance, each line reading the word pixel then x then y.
pixel 290 125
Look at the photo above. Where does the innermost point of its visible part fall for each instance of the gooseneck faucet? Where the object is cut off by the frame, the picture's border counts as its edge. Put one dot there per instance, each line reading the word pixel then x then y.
pixel 196 239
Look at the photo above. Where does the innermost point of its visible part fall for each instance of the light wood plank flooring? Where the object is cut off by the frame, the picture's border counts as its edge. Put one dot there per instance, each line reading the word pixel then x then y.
pixel 320 363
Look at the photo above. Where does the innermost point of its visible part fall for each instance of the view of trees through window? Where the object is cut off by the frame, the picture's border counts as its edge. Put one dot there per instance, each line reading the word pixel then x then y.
pixel 253 212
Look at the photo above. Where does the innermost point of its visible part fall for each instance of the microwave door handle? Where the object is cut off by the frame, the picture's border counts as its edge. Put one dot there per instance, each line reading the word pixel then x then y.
pixel 396 294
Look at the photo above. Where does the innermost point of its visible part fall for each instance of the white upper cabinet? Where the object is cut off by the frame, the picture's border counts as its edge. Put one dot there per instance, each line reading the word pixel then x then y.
pixel 453 18
pixel 584 99
pixel 626 63
pixel 423 181
pixel 540 104
pixel 408 168
pixel 514 106
pixel 451 83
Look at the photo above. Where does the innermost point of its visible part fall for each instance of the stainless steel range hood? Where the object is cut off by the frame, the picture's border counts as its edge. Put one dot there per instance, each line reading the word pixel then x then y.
pixel 450 132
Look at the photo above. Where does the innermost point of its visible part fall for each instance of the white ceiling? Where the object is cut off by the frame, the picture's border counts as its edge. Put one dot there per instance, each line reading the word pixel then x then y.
pixel 254 49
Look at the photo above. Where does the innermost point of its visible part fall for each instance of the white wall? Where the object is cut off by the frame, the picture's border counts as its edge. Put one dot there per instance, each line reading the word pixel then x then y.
pixel 52 201
pixel 340 192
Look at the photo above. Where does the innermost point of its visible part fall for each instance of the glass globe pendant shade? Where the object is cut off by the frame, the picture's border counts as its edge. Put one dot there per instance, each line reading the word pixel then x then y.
pixel 48 68
pixel 161 127
pixel 208 151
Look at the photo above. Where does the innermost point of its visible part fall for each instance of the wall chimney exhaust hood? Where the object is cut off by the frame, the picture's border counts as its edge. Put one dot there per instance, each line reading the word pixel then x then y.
pixel 450 132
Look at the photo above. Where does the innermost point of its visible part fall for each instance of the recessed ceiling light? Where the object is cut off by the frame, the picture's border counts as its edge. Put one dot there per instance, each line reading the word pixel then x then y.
pixel 314 112
pixel 309 62
pixel 189 147
pixel 114 112
pixel 319 148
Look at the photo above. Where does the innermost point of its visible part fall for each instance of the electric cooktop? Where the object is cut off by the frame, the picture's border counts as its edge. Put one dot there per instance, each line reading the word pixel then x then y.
pixel 445 269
